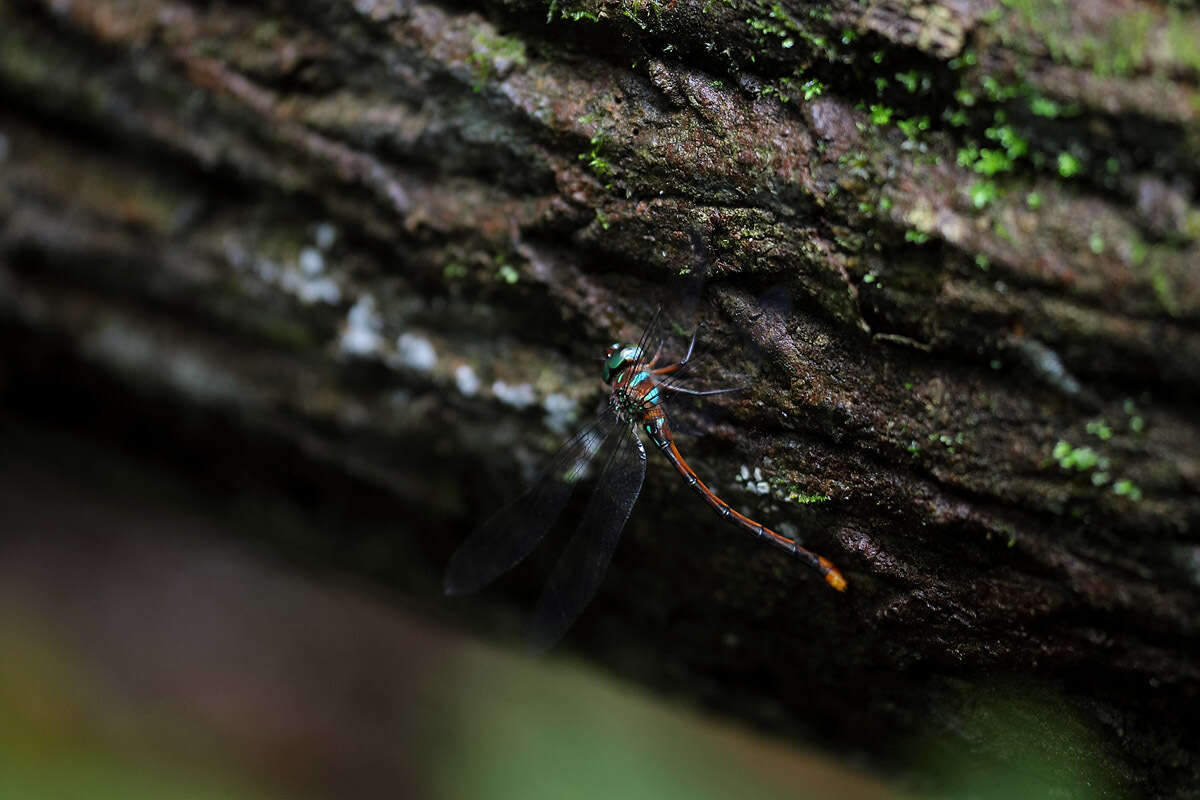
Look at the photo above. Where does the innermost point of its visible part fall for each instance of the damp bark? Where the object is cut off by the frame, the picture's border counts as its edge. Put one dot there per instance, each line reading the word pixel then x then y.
pixel 383 245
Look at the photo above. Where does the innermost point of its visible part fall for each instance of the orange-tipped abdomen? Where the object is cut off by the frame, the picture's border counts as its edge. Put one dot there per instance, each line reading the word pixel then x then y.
pixel 832 575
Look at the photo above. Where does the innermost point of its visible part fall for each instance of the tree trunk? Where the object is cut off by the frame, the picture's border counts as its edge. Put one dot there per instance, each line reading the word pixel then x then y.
pixel 302 247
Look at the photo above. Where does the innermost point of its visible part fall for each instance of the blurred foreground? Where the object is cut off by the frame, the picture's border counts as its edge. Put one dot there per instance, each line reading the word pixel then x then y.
pixel 144 655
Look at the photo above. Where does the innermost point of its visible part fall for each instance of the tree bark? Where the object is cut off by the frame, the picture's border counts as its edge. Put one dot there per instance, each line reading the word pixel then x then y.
pixel 385 243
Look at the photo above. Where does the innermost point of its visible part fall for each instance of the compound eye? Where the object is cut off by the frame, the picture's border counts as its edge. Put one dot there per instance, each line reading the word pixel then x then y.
pixel 617 357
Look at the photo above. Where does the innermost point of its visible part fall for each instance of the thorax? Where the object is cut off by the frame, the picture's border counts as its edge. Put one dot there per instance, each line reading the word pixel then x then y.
pixel 635 395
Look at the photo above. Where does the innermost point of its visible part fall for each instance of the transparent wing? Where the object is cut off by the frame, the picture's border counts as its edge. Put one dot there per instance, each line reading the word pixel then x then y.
pixel 766 329
pixel 579 571
pixel 504 540
pixel 654 334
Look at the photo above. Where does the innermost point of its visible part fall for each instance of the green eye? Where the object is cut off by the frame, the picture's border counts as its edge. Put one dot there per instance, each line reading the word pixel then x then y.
pixel 619 358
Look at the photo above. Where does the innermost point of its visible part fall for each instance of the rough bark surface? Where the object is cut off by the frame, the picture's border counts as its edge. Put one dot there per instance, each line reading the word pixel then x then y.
pixel 384 243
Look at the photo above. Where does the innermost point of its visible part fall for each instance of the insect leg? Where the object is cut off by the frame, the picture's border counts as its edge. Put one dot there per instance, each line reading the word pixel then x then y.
pixel 691 346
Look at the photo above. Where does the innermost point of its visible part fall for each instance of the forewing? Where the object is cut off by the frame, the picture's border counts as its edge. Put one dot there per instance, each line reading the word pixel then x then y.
pixel 504 540
pixel 765 330
pixel 653 334
pixel 579 571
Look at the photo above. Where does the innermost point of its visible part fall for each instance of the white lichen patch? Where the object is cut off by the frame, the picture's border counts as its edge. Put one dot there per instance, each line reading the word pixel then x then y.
pixel 400 399
pixel 325 235
pixel 518 396
pixel 201 379
pixel 310 291
pixel 141 353
pixel 312 263
pixel 466 380
pixel 788 529
pixel 125 348
pixel 308 278
pixel 1190 557
pixel 414 352
pixel 561 412
pixel 361 333
pixel 753 481
pixel 265 270
pixel 1048 366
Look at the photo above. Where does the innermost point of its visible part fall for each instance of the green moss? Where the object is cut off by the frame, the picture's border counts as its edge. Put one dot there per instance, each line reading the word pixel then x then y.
pixel 1100 429
pixel 1183 33
pixel 772 24
pixel 786 88
pixel 792 493
pixel 492 55
pixel 911 80
pixel 853 160
pixel 982 193
pixel 1080 459
pixel 999 92
pixel 599 165
pixel 946 440
pixel 1033 201
pixel 505 272
pixel 573 14
pixel 1119 49
pixel 1163 290
pixel 640 11
pixel 1136 422
pixel 991 162
pixel 266 34
pixel 913 128
pixel 967 59
pixel 1014 145
pixel 916 237
pixel 1068 165
pixel 956 117
pixel 1044 107
pixel 1125 488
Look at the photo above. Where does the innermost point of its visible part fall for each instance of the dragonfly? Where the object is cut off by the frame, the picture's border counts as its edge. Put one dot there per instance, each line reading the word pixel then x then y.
pixel 640 388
